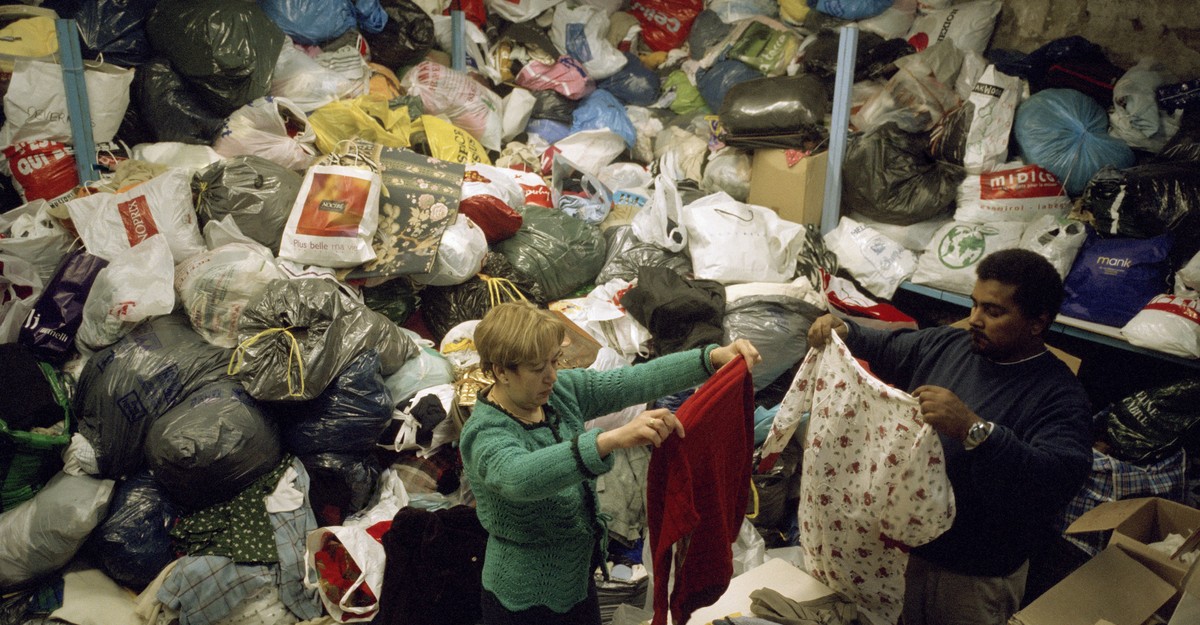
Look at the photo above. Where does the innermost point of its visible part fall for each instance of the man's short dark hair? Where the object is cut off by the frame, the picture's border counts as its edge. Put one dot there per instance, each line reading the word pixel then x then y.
pixel 1039 287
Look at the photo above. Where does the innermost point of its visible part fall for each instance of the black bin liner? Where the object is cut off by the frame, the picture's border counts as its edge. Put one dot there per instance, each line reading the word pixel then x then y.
pixel 1155 199
pixel 348 417
pixel 783 107
pixel 889 176
pixel 212 445
pixel 128 385
pixel 258 193
pixel 133 543
pixel 1152 424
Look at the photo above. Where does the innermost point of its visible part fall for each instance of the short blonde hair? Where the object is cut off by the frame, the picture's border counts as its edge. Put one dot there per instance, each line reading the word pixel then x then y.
pixel 512 333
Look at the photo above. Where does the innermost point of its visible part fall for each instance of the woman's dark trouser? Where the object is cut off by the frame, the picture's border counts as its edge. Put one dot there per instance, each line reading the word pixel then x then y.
pixel 586 612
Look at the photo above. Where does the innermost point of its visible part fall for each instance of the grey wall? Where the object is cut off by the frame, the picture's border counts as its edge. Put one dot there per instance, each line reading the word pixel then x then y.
pixel 1168 30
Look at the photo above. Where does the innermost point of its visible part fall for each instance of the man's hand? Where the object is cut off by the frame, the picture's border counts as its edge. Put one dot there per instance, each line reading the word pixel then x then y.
pixel 943 410
pixel 822 329
pixel 652 427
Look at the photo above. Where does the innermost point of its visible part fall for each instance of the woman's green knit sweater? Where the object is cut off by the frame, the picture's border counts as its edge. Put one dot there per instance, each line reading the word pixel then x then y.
pixel 535 485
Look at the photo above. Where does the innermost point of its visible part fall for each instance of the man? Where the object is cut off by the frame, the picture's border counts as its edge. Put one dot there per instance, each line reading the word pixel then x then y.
pixel 1015 425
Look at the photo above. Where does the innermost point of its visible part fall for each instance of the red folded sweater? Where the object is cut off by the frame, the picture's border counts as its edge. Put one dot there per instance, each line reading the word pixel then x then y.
pixel 697 489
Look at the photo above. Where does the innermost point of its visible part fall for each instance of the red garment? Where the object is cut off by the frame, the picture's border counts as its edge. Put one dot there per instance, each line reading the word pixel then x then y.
pixel 697 489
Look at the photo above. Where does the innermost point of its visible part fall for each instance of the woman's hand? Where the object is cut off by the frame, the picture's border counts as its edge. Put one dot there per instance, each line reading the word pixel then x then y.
pixel 721 356
pixel 650 427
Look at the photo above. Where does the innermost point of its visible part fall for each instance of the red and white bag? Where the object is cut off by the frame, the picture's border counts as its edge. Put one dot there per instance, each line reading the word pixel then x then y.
pixel 43 170
pixel 847 302
pixel 334 217
pixel 1168 323
pixel 110 223
pixel 1013 193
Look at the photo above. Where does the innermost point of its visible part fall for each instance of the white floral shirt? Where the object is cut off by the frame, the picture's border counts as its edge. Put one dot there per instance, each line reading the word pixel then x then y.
pixel 873 479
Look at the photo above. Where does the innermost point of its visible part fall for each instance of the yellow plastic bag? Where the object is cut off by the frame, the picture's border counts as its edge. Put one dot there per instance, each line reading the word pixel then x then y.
pixel 29 34
pixel 793 11
pixel 367 117
pixel 451 143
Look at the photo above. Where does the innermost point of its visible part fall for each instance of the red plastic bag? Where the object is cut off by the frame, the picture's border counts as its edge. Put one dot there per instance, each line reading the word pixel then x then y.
pixel 43 170
pixel 665 23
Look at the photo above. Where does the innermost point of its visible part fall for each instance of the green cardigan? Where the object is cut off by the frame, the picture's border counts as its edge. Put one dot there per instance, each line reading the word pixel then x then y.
pixel 535 485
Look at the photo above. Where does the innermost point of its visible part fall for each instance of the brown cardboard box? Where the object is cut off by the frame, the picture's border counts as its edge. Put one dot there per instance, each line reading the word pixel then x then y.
pixel 1112 587
pixel 1135 523
pixel 796 193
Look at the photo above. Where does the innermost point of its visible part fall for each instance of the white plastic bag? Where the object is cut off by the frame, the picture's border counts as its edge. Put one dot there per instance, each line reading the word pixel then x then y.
pixel 455 95
pixel 661 220
pixel 35 105
pixel 519 10
pixel 273 128
pixel 308 84
pixel 175 154
pixel 1135 117
pixel 1187 279
pixel 30 233
pixel 20 288
pixel 1168 323
pixel 334 217
pixel 216 285
pixel 137 284
pixel 590 150
pixel 734 242
pixel 994 99
pixel 949 261
pixel 1058 239
pixel 110 223
pixel 1013 193
pixel 969 24
pixel 42 534
pixel 877 262
pixel 460 255
pixel 360 601
pixel 749 550
pixel 601 315
pixel 516 109
pixel 914 237
pixel 582 32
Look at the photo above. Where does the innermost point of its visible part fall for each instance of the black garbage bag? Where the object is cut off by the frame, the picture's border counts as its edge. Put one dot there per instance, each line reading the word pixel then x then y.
pixel 1185 144
pixel 125 387
pixel 821 56
pixel 226 49
pixel 170 108
pixel 556 250
pixel 627 254
pixel 878 61
pixel 133 543
pixel 340 484
pixel 889 176
pixel 395 299
pixel 708 29
pixel 1152 424
pixel 777 325
pixel 552 105
pixel 258 193
pixel 443 307
pixel 1068 62
pixel 114 29
pixel 298 335
pixel 1146 201
pixel 783 108
pixel 405 39
pixel 347 418
pixel 212 445
pixel 679 313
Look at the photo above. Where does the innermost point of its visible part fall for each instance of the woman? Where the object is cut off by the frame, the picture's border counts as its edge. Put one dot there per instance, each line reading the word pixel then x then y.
pixel 533 468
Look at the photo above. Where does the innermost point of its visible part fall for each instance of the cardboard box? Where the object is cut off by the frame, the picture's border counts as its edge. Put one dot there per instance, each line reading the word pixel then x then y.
pixel 795 191
pixel 1112 587
pixel 1135 523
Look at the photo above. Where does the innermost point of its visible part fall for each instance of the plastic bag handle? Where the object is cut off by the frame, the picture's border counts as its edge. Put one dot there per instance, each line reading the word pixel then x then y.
pixel 236 359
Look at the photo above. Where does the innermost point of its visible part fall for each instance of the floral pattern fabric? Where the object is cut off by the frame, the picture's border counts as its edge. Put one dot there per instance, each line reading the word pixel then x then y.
pixel 419 200
pixel 873 479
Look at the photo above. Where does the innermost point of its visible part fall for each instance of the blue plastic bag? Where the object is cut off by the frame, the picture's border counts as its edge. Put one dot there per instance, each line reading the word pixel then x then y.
pixel 850 9
pixel 347 417
pixel 634 84
pixel 602 111
pixel 1066 133
pixel 1112 279
pixel 133 543
pixel 312 22
pixel 551 130
pixel 723 75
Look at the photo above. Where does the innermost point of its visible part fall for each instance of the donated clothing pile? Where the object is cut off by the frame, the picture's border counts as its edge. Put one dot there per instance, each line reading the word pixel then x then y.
pixel 238 336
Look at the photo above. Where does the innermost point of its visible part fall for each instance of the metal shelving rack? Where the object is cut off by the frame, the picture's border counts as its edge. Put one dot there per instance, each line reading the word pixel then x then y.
pixel 831 211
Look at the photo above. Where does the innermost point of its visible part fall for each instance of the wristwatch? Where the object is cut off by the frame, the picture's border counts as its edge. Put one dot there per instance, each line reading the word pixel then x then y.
pixel 978 433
